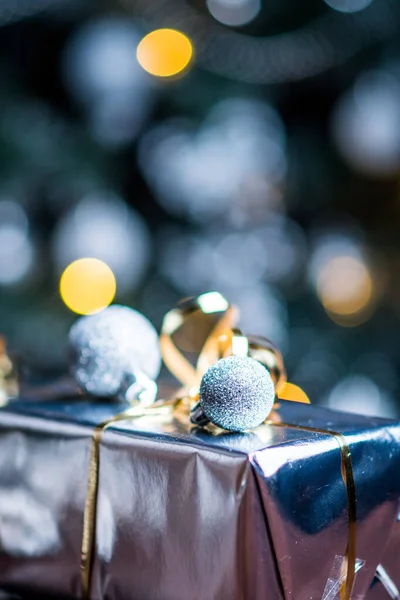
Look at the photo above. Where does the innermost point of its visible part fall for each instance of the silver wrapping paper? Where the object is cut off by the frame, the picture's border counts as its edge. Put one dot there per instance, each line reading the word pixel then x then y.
pixel 184 513
pixel 386 583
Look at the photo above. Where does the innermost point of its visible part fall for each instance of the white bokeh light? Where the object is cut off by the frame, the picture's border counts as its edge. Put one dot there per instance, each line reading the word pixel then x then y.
pixel 234 12
pixel 101 71
pixel 102 226
pixel 116 120
pixel 232 166
pixel 16 249
pixel 348 6
pixel 100 59
pixel 275 253
pixel 359 394
pixel 366 124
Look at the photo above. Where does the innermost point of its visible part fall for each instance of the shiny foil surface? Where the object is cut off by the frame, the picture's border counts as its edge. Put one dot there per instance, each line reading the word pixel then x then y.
pixel 191 514
pixel 386 583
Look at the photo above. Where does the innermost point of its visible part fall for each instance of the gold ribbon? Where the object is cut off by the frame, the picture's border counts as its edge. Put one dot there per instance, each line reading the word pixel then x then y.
pixel 90 512
pixel 221 317
pixel 222 339
pixel 8 374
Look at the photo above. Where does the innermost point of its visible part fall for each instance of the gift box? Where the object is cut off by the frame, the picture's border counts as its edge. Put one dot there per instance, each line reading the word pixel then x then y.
pixel 152 508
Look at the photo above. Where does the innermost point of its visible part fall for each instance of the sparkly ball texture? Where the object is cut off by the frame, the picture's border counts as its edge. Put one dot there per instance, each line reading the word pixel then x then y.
pixel 237 393
pixel 109 346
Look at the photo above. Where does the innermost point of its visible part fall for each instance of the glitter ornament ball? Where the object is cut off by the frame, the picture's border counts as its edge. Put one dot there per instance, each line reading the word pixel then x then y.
pixel 113 351
pixel 237 393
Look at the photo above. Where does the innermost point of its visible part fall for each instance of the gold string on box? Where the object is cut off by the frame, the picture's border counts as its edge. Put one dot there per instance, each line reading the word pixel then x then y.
pixel 8 374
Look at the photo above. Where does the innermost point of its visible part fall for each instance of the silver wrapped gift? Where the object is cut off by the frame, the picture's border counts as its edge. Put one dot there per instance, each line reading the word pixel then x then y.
pixel 176 512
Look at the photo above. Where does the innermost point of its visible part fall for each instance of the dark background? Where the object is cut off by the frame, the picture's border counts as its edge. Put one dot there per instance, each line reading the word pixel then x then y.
pixel 269 170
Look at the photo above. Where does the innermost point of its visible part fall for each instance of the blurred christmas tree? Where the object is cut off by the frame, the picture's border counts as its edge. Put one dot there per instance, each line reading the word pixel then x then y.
pixel 247 146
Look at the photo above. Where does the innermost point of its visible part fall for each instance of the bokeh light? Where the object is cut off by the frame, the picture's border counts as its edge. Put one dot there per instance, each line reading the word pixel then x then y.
pixel 100 59
pixel 366 124
pixel 342 239
pixel 87 285
pixel 232 165
pixel 116 120
pixel 102 226
pixel 101 72
pixel 379 367
pixel 263 311
pixel 359 394
pixel 16 248
pixel 165 52
pixel 341 274
pixel 234 12
pixel 345 289
pixel 275 253
pixel 348 6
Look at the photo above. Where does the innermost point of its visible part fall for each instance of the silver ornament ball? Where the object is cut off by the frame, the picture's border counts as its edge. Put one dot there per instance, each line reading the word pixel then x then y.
pixel 114 350
pixel 237 393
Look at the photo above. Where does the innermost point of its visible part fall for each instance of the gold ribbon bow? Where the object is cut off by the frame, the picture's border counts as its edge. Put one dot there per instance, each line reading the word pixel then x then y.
pixel 196 326
pixel 207 326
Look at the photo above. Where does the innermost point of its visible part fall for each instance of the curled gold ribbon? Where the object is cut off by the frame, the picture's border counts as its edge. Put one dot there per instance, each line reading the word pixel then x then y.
pixel 257 347
pixel 223 317
pixel 223 340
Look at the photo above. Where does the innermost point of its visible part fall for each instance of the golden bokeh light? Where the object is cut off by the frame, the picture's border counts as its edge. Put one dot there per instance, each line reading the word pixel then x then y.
pixel 87 285
pixel 290 391
pixel 345 289
pixel 165 52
